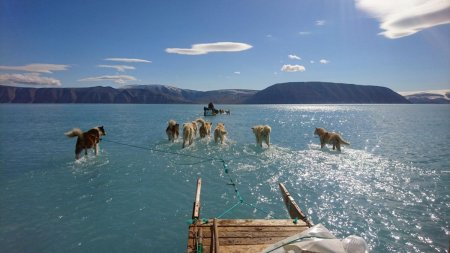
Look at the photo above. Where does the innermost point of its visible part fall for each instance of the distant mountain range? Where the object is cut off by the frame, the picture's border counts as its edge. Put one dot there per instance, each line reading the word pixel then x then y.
pixel 131 94
pixel 428 97
pixel 282 93
pixel 325 93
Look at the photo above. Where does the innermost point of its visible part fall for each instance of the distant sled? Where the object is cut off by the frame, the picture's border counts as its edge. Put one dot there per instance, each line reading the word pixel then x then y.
pixel 209 112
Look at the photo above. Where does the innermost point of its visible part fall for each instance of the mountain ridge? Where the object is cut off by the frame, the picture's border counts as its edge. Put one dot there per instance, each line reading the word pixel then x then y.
pixel 325 92
pixel 281 93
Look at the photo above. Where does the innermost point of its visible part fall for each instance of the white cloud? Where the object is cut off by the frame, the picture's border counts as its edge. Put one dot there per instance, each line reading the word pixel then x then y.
pixel 312 62
pixel 320 22
pixel 237 72
pixel 324 61
pixel 119 79
pixel 199 49
pixel 128 60
pixel 28 79
pixel 38 68
pixel 304 33
pixel 402 18
pixel 120 68
pixel 294 57
pixel 292 68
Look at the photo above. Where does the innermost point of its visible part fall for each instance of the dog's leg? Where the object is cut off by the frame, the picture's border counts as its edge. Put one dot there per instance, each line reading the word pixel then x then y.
pixel 338 146
pixel 77 152
pixel 96 148
pixel 322 143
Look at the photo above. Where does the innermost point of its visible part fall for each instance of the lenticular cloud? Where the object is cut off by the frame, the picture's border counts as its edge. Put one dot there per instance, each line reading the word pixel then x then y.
pixel 199 49
pixel 28 79
pixel 118 79
pixel 37 68
pixel 292 68
pixel 402 18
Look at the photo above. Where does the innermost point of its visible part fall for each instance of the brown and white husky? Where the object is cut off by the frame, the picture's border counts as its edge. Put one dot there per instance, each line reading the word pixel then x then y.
pixel 172 130
pixel 330 138
pixel 86 140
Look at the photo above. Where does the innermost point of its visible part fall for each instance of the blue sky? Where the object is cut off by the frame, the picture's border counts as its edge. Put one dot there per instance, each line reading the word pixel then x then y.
pixel 208 45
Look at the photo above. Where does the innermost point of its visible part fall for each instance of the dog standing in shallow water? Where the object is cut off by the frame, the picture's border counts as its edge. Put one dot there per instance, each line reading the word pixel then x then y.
pixel 220 133
pixel 205 128
pixel 262 133
pixel 188 133
pixel 86 140
pixel 330 138
pixel 173 130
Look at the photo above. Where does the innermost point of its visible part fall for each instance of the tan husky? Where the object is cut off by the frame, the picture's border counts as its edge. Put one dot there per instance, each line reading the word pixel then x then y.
pixel 262 133
pixel 330 138
pixel 205 128
pixel 188 134
pixel 220 133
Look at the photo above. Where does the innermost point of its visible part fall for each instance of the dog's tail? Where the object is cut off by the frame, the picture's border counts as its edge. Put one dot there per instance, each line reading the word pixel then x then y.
pixel 200 120
pixel 75 132
pixel 341 141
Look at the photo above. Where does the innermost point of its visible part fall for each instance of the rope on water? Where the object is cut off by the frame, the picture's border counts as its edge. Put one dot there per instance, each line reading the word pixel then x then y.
pixel 241 200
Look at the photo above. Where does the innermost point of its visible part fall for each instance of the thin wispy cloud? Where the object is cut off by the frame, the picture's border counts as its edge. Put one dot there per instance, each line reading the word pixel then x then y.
pixel 121 68
pixel 294 57
pixel 304 33
pixel 118 79
pixel 292 68
pixel 128 60
pixel 37 68
pixel 320 22
pixel 312 62
pixel 402 18
pixel 237 72
pixel 324 61
pixel 28 79
pixel 200 49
